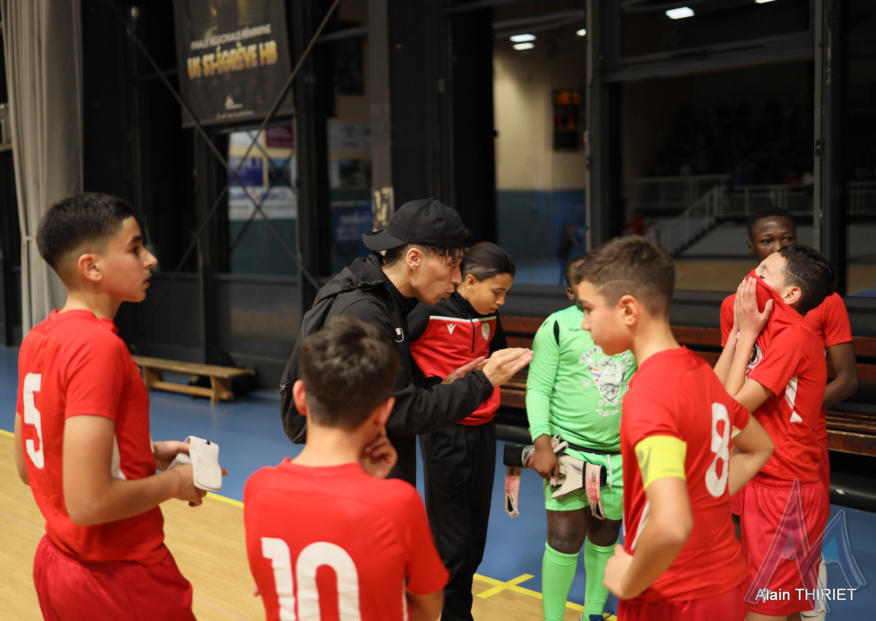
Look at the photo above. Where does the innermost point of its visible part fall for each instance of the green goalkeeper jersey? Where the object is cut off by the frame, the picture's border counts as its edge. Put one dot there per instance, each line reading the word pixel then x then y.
pixel 573 388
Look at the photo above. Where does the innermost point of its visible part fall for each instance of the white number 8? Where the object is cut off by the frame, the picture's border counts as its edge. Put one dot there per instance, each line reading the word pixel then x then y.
pixel 721 448
pixel 32 417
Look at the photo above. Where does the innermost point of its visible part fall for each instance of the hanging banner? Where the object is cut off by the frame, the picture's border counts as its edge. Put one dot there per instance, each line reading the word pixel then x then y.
pixel 233 59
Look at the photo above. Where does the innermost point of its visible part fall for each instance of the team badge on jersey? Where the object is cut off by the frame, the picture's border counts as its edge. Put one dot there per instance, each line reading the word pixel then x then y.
pixel 485 331
pixel 756 357
pixel 608 374
pixel 451 327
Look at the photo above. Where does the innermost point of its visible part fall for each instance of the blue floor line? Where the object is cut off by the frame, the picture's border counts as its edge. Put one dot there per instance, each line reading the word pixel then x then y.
pixel 250 436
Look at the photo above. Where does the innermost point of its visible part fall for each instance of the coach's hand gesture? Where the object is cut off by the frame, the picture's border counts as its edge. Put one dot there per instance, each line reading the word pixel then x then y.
pixel 503 364
pixel 475 365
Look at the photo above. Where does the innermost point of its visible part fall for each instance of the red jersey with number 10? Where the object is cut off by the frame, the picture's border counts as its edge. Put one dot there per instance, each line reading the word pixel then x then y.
pixel 675 393
pixel 74 364
pixel 336 543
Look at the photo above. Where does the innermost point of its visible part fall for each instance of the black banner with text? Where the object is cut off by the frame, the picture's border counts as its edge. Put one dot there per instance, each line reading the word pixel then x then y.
pixel 233 59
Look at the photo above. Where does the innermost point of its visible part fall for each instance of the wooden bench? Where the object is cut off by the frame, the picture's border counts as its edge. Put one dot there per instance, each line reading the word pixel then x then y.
pixel 220 377
pixel 848 432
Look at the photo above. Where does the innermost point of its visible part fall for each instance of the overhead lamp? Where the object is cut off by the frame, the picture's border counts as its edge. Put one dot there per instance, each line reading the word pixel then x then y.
pixel 762 1
pixel 581 32
pixel 524 46
pixel 522 38
pixel 680 13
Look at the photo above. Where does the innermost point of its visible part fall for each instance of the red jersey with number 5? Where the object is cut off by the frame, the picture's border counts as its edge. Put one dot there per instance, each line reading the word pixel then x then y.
pixel 74 364
pixel 675 393
pixel 336 543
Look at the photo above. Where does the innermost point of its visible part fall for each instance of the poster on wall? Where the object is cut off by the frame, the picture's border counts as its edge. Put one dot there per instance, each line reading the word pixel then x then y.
pixel 233 59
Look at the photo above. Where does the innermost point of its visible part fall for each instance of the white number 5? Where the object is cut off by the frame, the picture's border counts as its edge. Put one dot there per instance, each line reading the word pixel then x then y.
pixel 721 448
pixel 32 417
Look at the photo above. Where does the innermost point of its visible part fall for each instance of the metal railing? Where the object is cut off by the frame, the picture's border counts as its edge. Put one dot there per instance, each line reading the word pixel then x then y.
pixel 861 198
pixel 741 201
pixel 672 193
pixel 693 221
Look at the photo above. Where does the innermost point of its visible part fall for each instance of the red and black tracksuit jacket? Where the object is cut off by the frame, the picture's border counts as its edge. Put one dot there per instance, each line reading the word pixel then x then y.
pixel 450 334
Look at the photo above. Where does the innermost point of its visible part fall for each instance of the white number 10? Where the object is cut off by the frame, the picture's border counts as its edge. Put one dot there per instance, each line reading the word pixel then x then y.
pixel 310 559
pixel 32 417
pixel 721 448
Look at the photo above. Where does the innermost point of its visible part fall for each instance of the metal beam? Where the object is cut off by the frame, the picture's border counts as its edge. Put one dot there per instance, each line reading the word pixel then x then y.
pixel 829 188
pixel 381 110
pixel 604 210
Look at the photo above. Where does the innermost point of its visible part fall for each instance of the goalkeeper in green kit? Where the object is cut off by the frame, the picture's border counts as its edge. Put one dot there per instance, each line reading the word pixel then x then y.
pixel 575 390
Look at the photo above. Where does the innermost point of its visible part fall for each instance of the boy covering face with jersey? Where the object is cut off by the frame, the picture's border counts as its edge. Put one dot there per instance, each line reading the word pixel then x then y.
pixel 680 559
pixel 770 230
pixel 773 364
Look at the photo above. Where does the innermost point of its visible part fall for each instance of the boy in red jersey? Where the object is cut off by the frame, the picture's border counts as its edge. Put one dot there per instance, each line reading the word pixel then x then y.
pixel 325 534
pixel 769 230
pixel 82 438
pixel 680 559
pixel 773 364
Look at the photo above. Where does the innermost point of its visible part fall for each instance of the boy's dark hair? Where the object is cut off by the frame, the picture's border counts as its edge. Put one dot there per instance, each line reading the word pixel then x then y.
pixel 394 255
pixel 575 258
pixel 808 269
pixel 78 220
pixel 768 212
pixel 348 368
pixel 630 265
pixel 485 260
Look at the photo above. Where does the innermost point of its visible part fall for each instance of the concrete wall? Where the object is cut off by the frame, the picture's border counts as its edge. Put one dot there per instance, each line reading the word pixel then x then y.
pixel 538 189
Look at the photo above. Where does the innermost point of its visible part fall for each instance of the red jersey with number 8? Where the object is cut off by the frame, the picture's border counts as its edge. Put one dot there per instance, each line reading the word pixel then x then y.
pixel 675 393
pixel 74 364
pixel 336 543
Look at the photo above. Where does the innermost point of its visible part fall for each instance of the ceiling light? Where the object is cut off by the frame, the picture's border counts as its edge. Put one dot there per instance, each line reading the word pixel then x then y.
pixel 581 32
pixel 680 13
pixel 524 46
pixel 522 38
pixel 762 1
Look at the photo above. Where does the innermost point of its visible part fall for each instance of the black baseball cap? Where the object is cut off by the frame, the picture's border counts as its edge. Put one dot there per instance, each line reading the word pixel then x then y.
pixel 425 221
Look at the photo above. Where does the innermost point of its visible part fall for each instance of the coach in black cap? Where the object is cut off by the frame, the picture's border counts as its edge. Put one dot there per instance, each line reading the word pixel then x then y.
pixel 424 244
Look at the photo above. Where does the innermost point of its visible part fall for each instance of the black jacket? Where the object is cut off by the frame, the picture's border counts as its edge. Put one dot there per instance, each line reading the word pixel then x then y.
pixel 421 404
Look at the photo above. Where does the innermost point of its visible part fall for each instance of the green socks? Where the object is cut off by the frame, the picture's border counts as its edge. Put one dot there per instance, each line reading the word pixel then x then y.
pixel 595 558
pixel 557 572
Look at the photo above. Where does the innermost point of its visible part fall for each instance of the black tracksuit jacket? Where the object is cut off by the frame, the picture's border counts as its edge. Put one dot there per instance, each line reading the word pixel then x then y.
pixel 421 404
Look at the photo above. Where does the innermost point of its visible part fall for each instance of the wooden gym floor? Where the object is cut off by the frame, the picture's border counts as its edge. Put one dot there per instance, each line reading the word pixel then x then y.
pixel 209 547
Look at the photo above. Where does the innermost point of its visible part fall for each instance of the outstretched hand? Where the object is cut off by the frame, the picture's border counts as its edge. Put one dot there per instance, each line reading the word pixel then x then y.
pixel 475 365
pixel 505 363
pixel 749 319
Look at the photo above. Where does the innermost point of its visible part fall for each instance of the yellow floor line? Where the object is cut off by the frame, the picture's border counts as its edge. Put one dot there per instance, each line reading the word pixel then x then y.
pixel 224 499
pixel 512 585
pixel 501 586
pixel 498 585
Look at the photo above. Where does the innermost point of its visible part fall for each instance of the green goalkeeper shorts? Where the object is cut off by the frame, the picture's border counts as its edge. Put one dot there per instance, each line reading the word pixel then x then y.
pixel 612 496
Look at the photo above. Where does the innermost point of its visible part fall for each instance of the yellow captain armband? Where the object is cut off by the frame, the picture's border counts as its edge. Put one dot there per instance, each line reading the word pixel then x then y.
pixel 660 457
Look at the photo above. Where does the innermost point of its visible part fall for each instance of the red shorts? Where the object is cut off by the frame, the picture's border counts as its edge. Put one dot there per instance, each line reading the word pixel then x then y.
pixel 736 501
pixel 724 607
pixel 824 469
pixel 72 590
pixel 773 516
